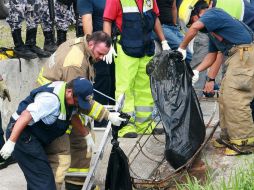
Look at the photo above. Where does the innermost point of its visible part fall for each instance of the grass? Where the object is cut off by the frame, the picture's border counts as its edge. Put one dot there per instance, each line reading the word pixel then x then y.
pixel 240 179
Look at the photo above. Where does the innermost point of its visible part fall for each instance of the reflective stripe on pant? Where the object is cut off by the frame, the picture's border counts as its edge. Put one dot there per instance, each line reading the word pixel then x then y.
pixel 58 153
pixel 237 92
pixel 131 79
pixel 79 162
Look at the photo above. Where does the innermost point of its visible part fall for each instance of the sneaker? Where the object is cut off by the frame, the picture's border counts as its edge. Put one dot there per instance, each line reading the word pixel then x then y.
pixel 130 135
pixel 217 143
pixel 5 163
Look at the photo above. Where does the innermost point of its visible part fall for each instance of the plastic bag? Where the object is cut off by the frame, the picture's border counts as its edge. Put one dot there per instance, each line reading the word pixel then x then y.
pixel 178 106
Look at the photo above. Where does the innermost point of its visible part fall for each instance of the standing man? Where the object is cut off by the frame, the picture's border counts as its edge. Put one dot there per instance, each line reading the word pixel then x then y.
pixel 75 58
pixel 40 118
pixel 135 21
pixel 234 39
pixel 25 10
pixel 4 93
pixel 92 19
pixel 168 18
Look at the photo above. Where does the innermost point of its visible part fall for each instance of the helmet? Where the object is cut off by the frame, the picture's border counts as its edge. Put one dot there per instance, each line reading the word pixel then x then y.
pixel 185 10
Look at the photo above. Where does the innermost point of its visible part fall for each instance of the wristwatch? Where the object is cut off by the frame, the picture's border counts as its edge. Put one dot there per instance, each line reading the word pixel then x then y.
pixel 208 79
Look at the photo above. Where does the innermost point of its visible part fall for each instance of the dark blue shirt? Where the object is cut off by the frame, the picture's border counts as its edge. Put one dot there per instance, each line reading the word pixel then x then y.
pixel 231 30
pixel 248 17
pixel 94 7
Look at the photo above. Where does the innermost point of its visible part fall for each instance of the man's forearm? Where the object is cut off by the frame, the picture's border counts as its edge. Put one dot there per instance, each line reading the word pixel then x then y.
pixel 214 69
pixel 87 23
pixel 207 62
pixel 107 27
pixel 158 29
pixel 20 125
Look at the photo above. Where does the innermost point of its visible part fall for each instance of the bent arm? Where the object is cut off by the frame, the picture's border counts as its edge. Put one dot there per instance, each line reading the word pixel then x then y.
pixel 207 61
pixel 20 125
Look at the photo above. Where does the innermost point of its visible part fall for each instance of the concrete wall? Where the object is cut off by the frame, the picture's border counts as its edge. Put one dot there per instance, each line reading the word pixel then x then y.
pixel 20 81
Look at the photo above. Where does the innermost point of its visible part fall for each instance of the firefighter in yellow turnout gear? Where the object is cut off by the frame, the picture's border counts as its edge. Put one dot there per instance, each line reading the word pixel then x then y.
pixel 75 58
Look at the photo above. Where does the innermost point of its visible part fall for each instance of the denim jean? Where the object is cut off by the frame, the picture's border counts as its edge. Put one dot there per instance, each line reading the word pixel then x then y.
pixel 174 38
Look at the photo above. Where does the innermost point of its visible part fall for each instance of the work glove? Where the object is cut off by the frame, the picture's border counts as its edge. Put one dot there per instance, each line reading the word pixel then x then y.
pixel 90 145
pixel 165 45
pixel 7 149
pixel 183 52
pixel 195 77
pixel 109 57
pixel 114 118
pixel 4 92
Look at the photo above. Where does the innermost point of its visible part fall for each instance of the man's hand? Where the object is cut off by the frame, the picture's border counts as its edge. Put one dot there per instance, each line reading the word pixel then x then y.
pixel 4 92
pixel 165 45
pixel 7 149
pixel 183 52
pixel 89 144
pixel 209 87
pixel 114 118
pixel 195 76
pixel 109 57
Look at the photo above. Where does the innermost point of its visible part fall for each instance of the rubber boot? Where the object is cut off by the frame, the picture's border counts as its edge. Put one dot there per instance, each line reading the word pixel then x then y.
pixel 21 51
pixel 49 42
pixel 61 37
pixel 79 31
pixel 31 43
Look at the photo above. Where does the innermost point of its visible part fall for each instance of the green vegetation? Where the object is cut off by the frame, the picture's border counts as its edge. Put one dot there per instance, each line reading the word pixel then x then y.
pixel 240 179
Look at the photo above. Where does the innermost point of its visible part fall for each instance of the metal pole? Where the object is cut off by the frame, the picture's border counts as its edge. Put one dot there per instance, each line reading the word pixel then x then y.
pixel 104 95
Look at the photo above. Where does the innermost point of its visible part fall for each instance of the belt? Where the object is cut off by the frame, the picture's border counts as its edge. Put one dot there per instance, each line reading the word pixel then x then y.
pixel 242 48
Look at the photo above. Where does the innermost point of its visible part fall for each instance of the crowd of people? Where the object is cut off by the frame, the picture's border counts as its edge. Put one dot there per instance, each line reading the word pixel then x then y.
pixel 50 133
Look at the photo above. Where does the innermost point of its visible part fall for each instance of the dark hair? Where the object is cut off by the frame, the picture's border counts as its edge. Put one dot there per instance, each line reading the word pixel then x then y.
pixel 99 37
pixel 69 85
pixel 200 5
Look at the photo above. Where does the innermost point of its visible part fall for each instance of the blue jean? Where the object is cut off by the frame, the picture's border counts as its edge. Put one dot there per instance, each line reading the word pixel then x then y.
pixel 174 38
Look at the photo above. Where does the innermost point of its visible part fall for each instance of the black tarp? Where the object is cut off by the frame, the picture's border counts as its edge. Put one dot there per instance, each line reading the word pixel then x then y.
pixel 118 174
pixel 178 106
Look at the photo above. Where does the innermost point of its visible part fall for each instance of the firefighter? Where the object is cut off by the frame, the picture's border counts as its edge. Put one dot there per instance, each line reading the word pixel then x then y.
pixel 234 39
pixel 135 21
pixel 74 58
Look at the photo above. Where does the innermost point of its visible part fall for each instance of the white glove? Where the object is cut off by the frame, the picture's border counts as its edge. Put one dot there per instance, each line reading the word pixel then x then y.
pixel 165 45
pixel 183 52
pixel 109 57
pixel 89 143
pixel 7 149
pixel 195 76
pixel 114 118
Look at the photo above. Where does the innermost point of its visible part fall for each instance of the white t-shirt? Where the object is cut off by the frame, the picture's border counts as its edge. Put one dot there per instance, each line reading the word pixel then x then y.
pixel 46 107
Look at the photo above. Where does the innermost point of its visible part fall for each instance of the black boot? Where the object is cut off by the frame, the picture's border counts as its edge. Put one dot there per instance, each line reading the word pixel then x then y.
pixel 61 37
pixel 31 43
pixel 79 31
pixel 49 42
pixel 20 49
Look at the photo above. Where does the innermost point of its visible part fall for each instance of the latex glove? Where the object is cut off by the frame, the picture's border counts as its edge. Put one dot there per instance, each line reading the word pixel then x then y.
pixel 109 57
pixel 165 45
pixel 114 118
pixel 183 52
pixel 195 76
pixel 7 149
pixel 4 92
pixel 90 144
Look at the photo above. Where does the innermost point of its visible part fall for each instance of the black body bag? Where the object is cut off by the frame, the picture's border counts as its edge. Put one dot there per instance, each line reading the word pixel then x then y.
pixel 178 106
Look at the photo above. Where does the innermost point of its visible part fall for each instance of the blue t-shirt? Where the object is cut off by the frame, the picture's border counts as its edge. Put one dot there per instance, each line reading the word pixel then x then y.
pixel 94 7
pixel 248 17
pixel 221 23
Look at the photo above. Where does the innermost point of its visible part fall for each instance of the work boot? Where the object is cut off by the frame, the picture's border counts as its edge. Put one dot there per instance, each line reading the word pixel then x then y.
pixel 61 37
pixel 49 41
pixel 79 32
pixel 21 51
pixel 31 43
